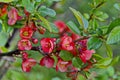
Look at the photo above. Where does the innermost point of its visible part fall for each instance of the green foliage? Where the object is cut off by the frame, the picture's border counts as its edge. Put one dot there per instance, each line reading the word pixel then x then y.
pixel 43 10
pixel 115 60
pixel 65 55
pixel 97 57
pixel 3 38
pixel 82 21
pixel 117 6
pixel 6 1
pixel 101 16
pixel 109 50
pixel 73 27
pixel 94 43
pixel 54 28
pixel 29 5
pixel 45 23
pixel 17 75
pixel 103 63
pixel 113 24
pixel 77 62
pixel 114 36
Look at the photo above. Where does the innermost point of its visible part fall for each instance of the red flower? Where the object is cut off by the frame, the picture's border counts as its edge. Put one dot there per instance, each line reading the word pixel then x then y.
pixel 47 62
pixel 26 32
pixel 47 44
pixel 67 43
pixel 13 16
pixel 62 66
pixel 3 10
pixel 86 55
pixel 24 44
pixel 60 25
pixel 27 64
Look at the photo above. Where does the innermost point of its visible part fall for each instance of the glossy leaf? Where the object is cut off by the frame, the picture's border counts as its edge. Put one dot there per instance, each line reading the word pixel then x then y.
pixel 73 27
pixel 54 28
pixel 65 55
pixel 110 71
pixel 101 16
pixel 28 5
pixel 77 62
pixel 114 36
pixel 94 43
pixel 3 38
pixel 104 63
pixel 82 21
pixel 109 50
pixel 97 56
pixel 115 60
pixel 43 10
pixel 117 6
pixel 113 24
pixel 18 75
pixel 46 23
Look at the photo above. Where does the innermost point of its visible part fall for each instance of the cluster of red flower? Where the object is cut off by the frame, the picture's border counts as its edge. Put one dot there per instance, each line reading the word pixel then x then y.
pixel 50 46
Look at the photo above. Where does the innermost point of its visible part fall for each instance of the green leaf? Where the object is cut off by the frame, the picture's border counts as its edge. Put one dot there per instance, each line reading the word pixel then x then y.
pixel 115 60
pixel 82 21
pixel 110 71
pixel 114 36
pixel 104 63
pixel 117 6
pixel 28 5
pixel 113 24
pixel 46 23
pixel 38 0
pixel 6 1
pixel 109 50
pixel 77 62
pixel 0 27
pixel 54 28
pixel 4 49
pixel 101 16
pixel 65 55
pixel 73 27
pixel 94 43
pixel 43 10
pixel 3 38
pixel 97 57
pixel 81 76
pixel 17 76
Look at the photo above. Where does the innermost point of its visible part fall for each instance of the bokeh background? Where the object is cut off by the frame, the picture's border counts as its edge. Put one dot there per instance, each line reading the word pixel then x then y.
pixel 111 7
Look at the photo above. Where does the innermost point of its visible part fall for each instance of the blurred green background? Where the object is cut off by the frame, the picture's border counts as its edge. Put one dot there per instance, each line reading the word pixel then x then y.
pixel 111 7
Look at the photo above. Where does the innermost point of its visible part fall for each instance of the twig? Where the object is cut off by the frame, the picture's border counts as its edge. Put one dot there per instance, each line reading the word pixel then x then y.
pixel 7 45
pixel 99 5
pixel 17 52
